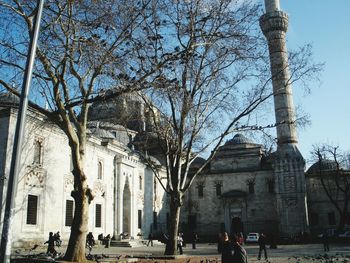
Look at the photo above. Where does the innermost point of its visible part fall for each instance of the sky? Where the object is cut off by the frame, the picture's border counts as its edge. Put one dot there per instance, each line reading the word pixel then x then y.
pixel 326 25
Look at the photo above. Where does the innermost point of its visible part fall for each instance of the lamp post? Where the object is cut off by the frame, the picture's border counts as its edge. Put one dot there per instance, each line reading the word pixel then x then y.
pixel 5 248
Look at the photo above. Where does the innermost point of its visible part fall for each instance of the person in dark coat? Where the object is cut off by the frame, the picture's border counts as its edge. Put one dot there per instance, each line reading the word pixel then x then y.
pixel 325 241
pixel 226 249
pixel 107 240
pixel 194 240
pixel 150 239
pixel 90 241
pixel 262 245
pixel 51 245
pixel 239 253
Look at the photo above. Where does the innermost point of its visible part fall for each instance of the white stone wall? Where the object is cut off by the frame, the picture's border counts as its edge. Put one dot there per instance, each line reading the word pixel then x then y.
pixel 52 182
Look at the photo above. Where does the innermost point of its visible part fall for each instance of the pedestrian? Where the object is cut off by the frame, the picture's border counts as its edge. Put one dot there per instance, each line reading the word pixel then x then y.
pixel 107 240
pixel 262 245
pixel 51 245
pixel 90 241
pixel 239 253
pixel 220 241
pixel 150 239
pixel 57 238
pixel 194 240
pixel 226 247
pixel 180 242
pixel 325 241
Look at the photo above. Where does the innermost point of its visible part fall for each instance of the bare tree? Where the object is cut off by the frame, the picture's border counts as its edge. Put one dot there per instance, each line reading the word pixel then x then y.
pixel 85 47
pixel 220 80
pixel 333 171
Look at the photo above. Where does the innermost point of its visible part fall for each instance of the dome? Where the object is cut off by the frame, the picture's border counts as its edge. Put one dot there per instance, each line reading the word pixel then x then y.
pixel 238 139
pixel 324 165
pixel 198 162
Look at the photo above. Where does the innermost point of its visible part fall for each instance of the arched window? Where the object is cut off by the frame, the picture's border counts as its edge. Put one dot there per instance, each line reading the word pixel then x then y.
pixel 37 152
pixel 200 191
pixel 100 170
pixel 140 182
pixel 218 189
pixel 251 187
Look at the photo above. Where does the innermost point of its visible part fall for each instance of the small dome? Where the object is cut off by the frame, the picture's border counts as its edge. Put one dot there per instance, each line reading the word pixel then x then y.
pixel 324 165
pixel 101 133
pixel 198 162
pixel 238 139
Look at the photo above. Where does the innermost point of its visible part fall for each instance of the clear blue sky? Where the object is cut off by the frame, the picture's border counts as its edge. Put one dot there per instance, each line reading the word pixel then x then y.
pixel 326 25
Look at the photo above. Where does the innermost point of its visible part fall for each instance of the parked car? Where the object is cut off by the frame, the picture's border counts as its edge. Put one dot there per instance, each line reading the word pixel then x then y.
pixel 252 238
pixel 346 234
pixel 332 232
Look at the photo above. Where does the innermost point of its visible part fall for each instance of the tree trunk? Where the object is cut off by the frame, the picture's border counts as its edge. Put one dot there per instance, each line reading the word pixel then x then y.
pixel 175 207
pixel 77 240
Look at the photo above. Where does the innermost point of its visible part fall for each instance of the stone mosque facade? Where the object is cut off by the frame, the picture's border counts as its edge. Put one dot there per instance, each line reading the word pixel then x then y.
pixel 242 189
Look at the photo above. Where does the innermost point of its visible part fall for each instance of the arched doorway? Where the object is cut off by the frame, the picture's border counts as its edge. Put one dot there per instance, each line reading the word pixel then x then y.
pixel 126 208
pixel 236 226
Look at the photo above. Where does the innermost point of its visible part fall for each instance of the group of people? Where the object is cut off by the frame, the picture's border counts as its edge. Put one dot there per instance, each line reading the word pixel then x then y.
pixel 54 239
pixel 232 251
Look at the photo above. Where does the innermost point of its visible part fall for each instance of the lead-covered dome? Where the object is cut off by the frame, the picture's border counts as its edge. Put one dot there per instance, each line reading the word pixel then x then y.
pixel 238 139
pixel 323 165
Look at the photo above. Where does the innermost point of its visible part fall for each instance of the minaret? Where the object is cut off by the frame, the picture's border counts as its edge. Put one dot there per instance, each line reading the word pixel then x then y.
pixel 288 163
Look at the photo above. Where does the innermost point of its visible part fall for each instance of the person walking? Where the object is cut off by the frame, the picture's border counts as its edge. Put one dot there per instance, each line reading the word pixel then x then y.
pixel 239 253
pixel 262 245
pixel 180 243
pixel 57 238
pixel 51 245
pixel 226 249
pixel 325 241
pixel 150 239
pixel 194 240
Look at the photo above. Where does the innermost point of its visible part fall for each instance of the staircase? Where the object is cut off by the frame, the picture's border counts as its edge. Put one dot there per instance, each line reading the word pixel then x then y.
pixel 127 243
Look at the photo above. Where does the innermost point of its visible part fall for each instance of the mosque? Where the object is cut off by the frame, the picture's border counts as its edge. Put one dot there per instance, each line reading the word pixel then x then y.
pixel 243 189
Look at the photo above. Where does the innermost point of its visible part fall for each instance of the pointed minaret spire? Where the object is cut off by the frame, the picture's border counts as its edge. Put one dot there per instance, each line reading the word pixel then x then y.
pixel 274 25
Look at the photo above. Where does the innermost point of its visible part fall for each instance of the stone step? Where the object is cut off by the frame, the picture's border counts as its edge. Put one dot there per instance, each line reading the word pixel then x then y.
pixel 126 243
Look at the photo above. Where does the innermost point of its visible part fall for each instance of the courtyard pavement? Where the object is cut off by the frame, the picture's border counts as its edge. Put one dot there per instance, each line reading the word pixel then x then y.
pixel 208 253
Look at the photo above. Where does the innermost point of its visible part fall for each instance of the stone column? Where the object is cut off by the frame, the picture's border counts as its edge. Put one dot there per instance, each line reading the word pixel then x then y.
pixel 119 185
pixel 288 162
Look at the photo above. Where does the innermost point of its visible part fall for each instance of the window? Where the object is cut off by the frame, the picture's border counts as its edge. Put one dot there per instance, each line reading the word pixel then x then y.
pixel 38 148
pixel 271 186
pixel 98 215
pixel 331 218
pixel 313 219
pixel 200 191
pixel 218 189
pixel 139 219
pixel 32 209
pixel 155 220
pixel 100 170
pixel 251 187
pixel 140 182
pixel 69 212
